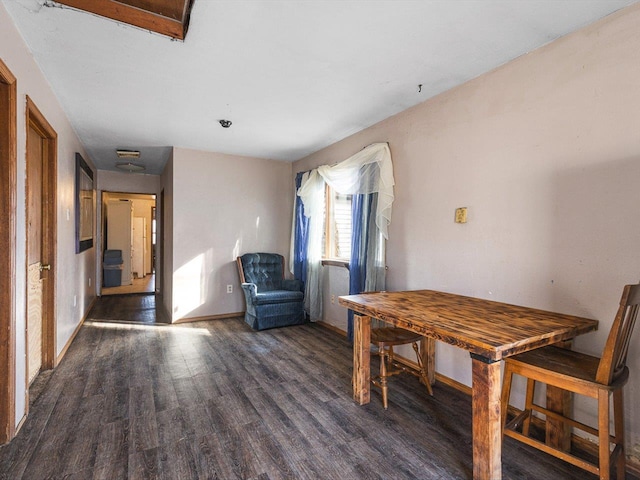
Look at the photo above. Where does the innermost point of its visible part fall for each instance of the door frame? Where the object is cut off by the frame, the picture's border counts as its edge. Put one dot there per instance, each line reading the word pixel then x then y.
pixel 103 230
pixel 36 120
pixel 160 243
pixel 8 169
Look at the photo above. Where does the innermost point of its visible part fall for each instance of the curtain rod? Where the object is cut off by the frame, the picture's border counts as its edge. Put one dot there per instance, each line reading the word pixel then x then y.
pixel 336 163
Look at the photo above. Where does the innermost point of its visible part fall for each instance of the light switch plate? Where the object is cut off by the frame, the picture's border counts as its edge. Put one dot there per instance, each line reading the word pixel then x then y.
pixel 461 215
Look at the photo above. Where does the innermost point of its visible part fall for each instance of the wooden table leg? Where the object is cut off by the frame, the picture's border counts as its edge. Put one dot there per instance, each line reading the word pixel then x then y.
pixel 487 438
pixel 558 433
pixel 428 356
pixel 361 359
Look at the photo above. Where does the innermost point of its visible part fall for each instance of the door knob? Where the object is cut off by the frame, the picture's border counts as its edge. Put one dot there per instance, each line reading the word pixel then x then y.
pixel 45 267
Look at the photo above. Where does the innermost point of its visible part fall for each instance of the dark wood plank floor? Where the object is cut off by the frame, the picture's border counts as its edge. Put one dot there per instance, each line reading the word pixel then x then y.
pixel 216 400
pixel 133 307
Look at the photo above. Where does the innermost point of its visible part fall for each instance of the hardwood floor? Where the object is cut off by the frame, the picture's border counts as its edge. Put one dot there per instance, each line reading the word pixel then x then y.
pixel 216 400
pixel 146 284
pixel 138 308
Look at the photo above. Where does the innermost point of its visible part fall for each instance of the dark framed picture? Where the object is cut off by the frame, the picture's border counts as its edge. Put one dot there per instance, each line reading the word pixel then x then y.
pixel 84 205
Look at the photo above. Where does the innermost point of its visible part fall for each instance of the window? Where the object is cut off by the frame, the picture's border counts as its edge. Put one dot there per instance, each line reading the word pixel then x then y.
pixel 337 233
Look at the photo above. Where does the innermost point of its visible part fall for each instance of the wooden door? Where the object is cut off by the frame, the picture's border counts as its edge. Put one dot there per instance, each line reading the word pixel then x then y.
pixel 35 158
pixel 41 160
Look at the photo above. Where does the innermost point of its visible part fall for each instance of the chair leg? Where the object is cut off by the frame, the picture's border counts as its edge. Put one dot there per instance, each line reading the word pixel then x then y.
pixel 604 455
pixel 528 405
pixel 423 371
pixel 618 423
pixel 383 376
pixel 506 395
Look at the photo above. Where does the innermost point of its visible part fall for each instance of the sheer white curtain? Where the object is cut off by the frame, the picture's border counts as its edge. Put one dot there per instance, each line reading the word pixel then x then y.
pixel 312 188
pixel 368 171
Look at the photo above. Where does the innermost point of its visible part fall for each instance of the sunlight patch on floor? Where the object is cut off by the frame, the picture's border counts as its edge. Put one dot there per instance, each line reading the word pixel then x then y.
pixel 155 326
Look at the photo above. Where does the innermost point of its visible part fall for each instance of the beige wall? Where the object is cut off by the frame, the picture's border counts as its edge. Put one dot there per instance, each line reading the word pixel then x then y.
pixel 166 232
pixel 123 182
pixel 76 278
pixel 223 206
pixel 545 153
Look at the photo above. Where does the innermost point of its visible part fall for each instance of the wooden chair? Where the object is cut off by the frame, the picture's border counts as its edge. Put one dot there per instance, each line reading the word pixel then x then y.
pixel 582 374
pixel 385 338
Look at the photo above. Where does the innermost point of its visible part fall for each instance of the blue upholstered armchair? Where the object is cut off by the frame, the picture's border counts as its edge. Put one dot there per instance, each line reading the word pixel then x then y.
pixel 272 301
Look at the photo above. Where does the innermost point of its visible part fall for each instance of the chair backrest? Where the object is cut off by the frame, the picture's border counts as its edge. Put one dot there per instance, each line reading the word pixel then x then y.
pixel 614 357
pixel 266 270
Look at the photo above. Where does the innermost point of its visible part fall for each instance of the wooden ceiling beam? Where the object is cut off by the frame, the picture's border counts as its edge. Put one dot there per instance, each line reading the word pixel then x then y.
pixel 166 17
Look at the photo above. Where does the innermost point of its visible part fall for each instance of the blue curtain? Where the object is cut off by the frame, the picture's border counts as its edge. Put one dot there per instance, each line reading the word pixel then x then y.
pixel 363 210
pixel 301 236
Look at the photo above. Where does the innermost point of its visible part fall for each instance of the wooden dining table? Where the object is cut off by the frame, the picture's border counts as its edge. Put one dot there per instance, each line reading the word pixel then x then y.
pixel 489 330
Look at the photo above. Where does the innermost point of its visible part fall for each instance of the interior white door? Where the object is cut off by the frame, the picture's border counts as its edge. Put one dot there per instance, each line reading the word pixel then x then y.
pixel 138 247
pixel 145 242
pixel 119 227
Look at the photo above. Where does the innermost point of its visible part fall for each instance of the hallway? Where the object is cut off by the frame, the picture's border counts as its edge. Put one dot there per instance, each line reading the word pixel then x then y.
pixel 130 308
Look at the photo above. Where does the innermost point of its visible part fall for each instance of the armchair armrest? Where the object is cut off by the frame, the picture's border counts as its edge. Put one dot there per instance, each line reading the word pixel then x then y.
pixel 293 285
pixel 250 290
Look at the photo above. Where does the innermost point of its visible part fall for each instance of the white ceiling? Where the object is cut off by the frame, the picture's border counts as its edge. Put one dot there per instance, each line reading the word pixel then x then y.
pixel 293 76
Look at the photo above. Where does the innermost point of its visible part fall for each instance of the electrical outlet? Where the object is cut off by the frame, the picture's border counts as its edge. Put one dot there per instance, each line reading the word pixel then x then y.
pixel 75 300
pixel 229 288
pixel 89 281
pixel 333 299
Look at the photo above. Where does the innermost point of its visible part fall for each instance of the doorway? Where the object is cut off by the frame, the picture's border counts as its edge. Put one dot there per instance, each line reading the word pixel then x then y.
pixel 128 230
pixel 41 242
pixel 8 167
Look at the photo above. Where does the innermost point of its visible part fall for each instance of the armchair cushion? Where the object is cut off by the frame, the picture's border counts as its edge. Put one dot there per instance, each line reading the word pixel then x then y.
pixel 278 296
pixel 273 296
